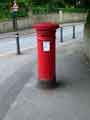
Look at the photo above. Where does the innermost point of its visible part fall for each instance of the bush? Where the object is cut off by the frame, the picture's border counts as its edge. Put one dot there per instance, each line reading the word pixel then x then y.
pixel 6 13
pixel 48 9
pixel 22 13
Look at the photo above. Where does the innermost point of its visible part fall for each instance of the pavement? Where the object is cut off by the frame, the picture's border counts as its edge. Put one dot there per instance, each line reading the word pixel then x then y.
pixel 22 99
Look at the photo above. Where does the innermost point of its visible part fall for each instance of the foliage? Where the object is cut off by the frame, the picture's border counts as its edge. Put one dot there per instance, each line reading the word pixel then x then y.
pixel 45 10
pixel 85 4
pixel 39 6
pixel 46 3
pixel 5 8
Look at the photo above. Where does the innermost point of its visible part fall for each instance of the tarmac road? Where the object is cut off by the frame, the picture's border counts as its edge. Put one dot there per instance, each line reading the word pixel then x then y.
pixel 17 71
pixel 8 44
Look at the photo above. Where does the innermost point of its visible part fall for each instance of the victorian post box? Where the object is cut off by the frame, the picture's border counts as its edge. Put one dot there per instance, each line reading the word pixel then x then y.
pixel 46 50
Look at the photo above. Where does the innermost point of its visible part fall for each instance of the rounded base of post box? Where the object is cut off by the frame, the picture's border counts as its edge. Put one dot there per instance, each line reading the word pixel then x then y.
pixel 47 83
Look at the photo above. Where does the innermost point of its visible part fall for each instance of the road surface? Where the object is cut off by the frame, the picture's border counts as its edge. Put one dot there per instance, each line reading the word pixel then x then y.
pixel 8 44
pixel 16 71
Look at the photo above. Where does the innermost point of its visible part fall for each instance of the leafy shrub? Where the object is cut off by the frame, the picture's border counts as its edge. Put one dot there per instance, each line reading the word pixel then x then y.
pixel 48 9
pixel 22 13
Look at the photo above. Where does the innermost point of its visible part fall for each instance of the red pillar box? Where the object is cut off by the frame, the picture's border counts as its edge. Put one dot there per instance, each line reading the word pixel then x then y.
pixel 46 52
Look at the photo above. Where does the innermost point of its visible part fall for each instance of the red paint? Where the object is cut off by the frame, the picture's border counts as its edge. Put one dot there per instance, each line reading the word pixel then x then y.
pixel 46 60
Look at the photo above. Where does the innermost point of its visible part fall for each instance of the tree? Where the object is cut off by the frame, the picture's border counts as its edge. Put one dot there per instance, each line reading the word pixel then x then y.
pixel 85 3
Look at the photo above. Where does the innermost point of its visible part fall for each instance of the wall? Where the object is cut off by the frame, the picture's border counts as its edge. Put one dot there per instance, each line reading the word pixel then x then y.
pixel 73 17
pixel 33 19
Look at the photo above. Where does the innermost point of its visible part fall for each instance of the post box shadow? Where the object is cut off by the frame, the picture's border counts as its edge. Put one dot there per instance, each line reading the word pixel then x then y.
pixel 58 84
pixel 63 82
pixel 47 86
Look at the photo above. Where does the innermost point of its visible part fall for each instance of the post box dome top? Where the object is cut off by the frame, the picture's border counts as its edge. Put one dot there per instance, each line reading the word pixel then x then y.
pixel 46 26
